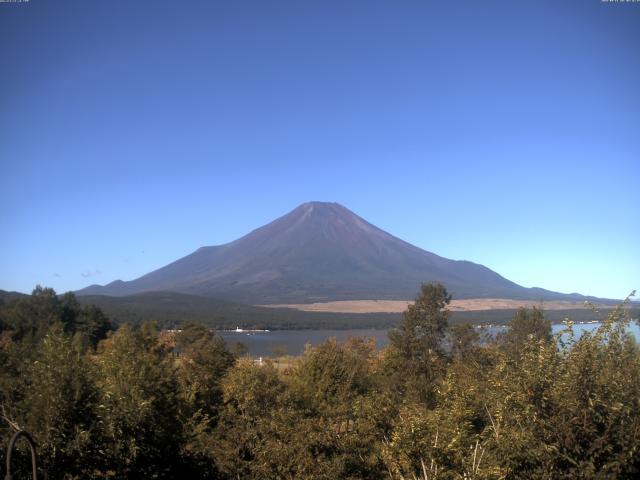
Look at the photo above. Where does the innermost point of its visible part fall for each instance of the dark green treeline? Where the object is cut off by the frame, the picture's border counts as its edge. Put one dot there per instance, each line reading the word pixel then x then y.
pixel 436 404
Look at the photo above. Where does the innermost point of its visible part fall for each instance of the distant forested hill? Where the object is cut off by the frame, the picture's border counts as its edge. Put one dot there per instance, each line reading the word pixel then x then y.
pixel 6 297
pixel 171 309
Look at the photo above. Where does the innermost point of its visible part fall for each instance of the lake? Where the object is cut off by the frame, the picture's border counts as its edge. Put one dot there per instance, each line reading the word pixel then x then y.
pixel 292 342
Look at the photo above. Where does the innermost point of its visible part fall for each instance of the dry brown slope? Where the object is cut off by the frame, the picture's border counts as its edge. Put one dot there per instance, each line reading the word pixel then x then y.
pixel 396 306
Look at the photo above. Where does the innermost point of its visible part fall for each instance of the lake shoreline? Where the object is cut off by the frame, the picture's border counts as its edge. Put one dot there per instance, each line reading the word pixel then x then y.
pixel 293 342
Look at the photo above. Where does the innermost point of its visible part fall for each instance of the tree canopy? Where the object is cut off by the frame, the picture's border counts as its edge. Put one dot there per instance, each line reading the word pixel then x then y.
pixel 437 403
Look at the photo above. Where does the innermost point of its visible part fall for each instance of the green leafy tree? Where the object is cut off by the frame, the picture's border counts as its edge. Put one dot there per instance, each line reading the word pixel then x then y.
pixel 204 359
pixel 251 399
pixel 416 358
pixel 526 325
pixel 329 390
pixel 331 376
pixel 29 318
pixel 138 407
pixel 59 407
pixel 202 363
pixel 308 422
pixel 463 341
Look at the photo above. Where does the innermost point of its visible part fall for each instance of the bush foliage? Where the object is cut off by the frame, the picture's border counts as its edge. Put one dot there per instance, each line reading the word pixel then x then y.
pixel 437 403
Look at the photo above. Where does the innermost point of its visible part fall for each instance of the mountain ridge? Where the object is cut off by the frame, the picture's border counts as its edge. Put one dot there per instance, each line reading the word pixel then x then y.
pixel 320 251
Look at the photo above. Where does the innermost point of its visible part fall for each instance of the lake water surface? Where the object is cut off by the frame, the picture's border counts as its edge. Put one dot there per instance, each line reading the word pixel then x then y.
pixel 292 342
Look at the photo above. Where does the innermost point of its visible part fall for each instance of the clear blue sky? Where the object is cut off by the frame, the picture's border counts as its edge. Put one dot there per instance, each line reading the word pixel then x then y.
pixel 502 132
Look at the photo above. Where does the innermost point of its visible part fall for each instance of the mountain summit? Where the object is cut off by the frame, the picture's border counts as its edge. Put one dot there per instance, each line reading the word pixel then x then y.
pixel 319 252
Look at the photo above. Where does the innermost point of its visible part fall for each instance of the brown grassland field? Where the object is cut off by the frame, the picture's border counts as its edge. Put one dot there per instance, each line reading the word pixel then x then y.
pixel 398 306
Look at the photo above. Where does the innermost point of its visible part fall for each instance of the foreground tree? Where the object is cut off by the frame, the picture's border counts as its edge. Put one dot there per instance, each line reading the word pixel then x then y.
pixel 59 406
pixel 138 405
pixel 435 404
pixel 200 367
pixel 415 359
pixel 252 400
pixel 527 325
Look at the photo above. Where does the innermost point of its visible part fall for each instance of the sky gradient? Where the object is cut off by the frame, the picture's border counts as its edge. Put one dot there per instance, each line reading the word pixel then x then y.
pixel 505 133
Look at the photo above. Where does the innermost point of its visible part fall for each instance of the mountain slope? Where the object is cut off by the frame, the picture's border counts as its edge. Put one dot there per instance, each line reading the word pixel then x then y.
pixel 318 252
